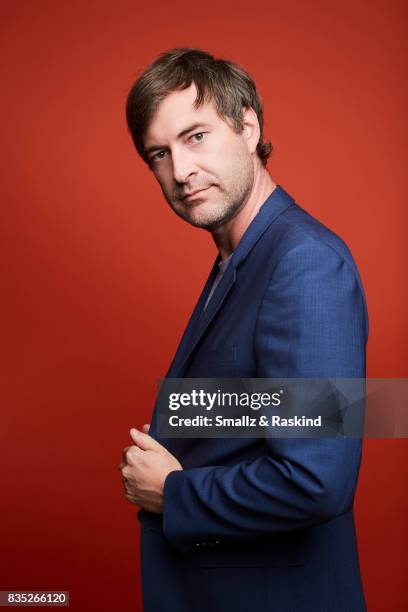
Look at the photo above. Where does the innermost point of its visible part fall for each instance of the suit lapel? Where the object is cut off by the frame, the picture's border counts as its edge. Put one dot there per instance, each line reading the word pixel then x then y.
pixel 186 340
pixel 272 208
pixel 202 322
pixel 193 322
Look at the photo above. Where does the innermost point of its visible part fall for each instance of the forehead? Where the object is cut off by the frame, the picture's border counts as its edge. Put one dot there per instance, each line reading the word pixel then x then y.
pixel 175 113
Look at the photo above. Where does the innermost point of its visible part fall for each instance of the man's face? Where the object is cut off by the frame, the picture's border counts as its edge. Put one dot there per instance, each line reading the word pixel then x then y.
pixel 196 151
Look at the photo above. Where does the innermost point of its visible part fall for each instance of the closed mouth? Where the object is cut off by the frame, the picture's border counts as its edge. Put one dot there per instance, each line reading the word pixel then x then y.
pixel 193 193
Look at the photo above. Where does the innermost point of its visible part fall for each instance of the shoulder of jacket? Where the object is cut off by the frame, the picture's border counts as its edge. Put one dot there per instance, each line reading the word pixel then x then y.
pixel 297 229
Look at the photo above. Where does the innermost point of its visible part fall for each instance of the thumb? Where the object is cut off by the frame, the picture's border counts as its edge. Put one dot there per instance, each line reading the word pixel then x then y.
pixel 144 441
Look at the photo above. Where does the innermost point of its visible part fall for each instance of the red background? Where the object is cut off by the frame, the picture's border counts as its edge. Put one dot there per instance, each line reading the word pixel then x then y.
pixel 99 277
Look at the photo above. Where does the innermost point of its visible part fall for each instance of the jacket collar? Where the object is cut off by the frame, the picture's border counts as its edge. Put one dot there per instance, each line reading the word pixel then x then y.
pixel 276 203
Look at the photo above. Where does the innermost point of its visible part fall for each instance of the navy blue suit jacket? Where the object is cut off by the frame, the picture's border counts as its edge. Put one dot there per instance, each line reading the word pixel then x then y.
pixel 265 524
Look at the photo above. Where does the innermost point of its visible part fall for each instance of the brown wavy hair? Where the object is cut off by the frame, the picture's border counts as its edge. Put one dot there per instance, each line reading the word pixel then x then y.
pixel 220 80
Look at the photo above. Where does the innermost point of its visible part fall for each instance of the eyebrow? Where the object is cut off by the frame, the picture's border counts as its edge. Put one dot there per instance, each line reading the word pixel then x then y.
pixel 192 127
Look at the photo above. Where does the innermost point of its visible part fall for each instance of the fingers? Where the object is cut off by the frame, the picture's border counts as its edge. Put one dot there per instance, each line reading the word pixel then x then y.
pixel 125 474
pixel 129 456
pixel 132 499
pixel 132 455
pixel 144 441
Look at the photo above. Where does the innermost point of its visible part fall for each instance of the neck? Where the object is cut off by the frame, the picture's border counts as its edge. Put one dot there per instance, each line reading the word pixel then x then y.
pixel 228 235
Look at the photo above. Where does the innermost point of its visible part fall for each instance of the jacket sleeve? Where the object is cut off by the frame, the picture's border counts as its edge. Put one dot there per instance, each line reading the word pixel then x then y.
pixel 311 323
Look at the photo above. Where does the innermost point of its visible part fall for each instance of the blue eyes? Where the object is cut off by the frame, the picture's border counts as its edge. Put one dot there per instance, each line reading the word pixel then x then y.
pixel 156 157
pixel 199 136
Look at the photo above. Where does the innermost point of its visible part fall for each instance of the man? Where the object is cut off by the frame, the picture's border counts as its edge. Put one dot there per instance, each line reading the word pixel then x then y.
pixel 234 525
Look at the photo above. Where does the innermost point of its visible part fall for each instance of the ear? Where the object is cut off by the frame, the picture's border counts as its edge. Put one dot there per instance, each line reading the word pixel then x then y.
pixel 252 130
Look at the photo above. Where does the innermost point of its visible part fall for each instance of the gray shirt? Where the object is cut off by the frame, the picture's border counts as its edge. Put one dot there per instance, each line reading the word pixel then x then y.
pixel 222 265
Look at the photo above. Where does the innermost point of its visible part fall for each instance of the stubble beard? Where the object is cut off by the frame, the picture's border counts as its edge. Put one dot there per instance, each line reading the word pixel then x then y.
pixel 229 203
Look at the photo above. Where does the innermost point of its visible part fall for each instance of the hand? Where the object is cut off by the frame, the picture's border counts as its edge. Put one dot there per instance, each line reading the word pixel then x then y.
pixel 144 469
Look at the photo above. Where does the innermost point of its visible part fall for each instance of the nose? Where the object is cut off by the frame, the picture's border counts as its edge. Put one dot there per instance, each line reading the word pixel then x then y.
pixel 183 166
